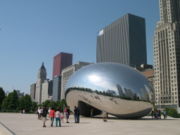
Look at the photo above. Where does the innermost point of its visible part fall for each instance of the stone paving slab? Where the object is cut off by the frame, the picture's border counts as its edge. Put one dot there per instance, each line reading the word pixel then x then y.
pixel 5 130
pixel 28 124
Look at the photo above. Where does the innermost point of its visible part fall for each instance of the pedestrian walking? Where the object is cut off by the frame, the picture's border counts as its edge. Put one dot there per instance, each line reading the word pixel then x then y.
pixel 39 113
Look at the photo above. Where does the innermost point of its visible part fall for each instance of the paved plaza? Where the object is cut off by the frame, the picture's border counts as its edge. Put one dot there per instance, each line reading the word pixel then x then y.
pixel 28 124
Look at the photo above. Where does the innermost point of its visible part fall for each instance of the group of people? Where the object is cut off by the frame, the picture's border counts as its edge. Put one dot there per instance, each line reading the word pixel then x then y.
pixel 156 114
pixel 56 116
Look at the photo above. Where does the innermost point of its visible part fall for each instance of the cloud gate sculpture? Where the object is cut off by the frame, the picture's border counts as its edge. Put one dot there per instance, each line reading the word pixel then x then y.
pixel 109 87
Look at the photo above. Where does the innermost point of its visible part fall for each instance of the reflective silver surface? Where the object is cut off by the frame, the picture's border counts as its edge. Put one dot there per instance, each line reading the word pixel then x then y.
pixel 114 88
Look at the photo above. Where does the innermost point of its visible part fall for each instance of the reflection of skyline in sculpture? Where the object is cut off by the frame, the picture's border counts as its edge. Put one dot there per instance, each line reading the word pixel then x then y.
pixel 114 88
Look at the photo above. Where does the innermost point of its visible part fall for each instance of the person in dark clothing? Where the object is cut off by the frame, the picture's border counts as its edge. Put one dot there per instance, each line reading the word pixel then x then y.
pixel 44 115
pixel 159 114
pixel 67 113
pixel 76 114
pixel 152 114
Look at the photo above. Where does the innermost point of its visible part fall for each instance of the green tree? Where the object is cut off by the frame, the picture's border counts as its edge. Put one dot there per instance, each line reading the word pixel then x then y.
pixel 25 103
pixel 172 112
pixel 56 105
pixel 10 103
pixel 46 103
pixel 2 96
pixel 62 104
pixel 52 104
pixel 4 106
pixel 34 107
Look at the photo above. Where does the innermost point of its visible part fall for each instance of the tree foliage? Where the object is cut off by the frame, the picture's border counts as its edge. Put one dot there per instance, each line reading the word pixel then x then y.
pixel 55 104
pixel 172 112
pixel 34 107
pixel 2 96
pixel 13 103
pixel 10 103
pixel 25 103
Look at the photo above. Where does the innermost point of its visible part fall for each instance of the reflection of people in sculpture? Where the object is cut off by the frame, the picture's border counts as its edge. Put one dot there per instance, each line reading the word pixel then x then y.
pixel 152 114
pixel 91 112
pixel 105 116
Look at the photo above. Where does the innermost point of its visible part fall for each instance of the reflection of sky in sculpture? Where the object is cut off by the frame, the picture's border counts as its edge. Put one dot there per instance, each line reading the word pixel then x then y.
pixel 113 78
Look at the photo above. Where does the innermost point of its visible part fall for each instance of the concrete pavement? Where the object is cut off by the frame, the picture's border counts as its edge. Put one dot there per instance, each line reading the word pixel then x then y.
pixel 28 124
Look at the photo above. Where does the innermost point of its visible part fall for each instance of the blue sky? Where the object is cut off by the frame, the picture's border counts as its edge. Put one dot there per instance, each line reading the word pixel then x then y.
pixel 33 31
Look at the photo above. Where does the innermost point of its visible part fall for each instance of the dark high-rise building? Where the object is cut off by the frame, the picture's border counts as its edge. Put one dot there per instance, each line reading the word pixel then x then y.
pixel 33 91
pixel 56 88
pixel 61 61
pixel 123 41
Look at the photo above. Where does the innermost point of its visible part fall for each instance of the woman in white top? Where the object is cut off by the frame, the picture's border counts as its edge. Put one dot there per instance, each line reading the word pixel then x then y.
pixel 58 119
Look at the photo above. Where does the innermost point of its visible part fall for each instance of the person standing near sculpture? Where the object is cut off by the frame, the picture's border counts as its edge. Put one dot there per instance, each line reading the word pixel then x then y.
pixel 164 114
pixel 44 115
pixel 76 114
pixel 58 118
pixel 52 115
pixel 67 113
pixel 159 114
pixel 39 113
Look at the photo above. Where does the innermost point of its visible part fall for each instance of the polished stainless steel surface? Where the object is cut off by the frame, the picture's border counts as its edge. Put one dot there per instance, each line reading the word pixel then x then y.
pixel 114 88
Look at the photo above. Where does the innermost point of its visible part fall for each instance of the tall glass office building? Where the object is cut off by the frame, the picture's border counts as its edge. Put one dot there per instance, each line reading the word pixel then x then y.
pixel 123 41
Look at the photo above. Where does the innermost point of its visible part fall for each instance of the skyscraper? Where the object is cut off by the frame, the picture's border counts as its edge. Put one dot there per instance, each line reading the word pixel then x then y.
pixel 123 41
pixel 56 88
pixel 33 91
pixel 167 55
pixel 42 89
pixel 40 80
pixel 61 61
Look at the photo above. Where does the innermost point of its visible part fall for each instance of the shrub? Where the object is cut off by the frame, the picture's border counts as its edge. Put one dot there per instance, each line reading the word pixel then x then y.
pixel 172 112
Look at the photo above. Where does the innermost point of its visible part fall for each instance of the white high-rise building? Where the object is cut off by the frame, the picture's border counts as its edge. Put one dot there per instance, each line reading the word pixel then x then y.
pixel 46 86
pixel 41 90
pixel 41 77
pixel 167 55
